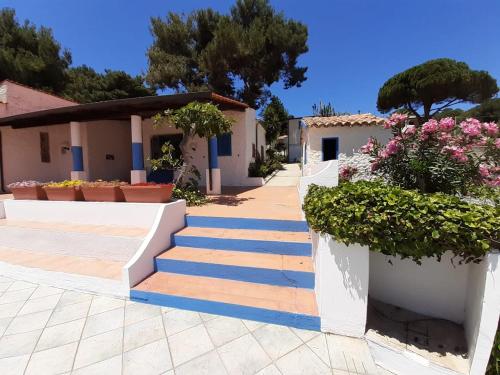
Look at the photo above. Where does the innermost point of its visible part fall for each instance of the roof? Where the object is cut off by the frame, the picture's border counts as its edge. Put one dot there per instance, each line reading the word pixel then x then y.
pixel 39 90
pixel 365 119
pixel 118 109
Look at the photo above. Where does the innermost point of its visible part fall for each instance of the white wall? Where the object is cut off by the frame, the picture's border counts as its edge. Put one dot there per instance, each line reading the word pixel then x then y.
pixel 2 210
pixel 341 285
pixel 350 139
pixel 326 173
pixel 22 158
pixel 140 215
pixel 482 311
pixel 169 219
pixel 113 138
pixel 234 168
pixel 435 288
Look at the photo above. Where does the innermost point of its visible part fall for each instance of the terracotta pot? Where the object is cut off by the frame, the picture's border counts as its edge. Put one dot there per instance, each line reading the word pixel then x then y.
pixel 29 193
pixel 148 193
pixel 103 194
pixel 64 193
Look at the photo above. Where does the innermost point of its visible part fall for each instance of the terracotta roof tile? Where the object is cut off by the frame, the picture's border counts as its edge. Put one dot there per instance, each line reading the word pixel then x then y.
pixel 365 119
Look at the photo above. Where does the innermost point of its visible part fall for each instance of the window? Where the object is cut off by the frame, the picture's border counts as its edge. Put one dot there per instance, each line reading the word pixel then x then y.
pixel 44 148
pixel 330 148
pixel 224 145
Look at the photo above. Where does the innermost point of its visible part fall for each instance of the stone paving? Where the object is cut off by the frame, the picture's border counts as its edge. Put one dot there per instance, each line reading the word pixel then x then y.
pixel 47 330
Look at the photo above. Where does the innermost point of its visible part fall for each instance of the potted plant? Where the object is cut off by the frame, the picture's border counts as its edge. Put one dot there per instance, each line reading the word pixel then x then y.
pixel 28 190
pixel 64 191
pixel 148 192
pixel 103 191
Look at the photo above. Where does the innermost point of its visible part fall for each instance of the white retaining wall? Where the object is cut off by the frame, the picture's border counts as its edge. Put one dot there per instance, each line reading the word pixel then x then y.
pixel 468 294
pixel 341 285
pixel 421 288
pixel 325 174
pixel 482 311
pixel 140 215
pixel 2 210
pixel 169 219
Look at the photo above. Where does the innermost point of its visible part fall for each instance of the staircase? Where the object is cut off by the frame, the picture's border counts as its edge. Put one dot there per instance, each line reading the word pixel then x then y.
pixel 256 269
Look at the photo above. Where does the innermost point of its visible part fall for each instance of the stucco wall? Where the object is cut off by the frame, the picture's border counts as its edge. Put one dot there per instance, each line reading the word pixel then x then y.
pixel 350 139
pixel 234 168
pixel 421 288
pixel 21 99
pixel 110 138
pixel 22 159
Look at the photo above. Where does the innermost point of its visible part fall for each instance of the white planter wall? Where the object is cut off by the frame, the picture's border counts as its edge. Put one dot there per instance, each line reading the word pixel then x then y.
pixel 420 288
pixel 341 285
pixel 324 174
pixel 468 294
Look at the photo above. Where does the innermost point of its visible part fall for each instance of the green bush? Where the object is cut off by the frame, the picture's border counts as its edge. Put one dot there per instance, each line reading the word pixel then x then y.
pixel 264 168
pixel 394 221
pixel 191 193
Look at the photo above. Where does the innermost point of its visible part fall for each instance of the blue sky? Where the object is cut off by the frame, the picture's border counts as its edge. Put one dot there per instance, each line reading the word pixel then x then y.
pixel 354 45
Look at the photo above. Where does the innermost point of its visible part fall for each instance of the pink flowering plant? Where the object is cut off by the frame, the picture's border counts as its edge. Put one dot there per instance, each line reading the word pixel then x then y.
pixel 347 172
pixel 439 156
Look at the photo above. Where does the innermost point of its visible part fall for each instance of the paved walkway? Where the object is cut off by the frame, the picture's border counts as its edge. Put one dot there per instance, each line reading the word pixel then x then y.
pixel 46 330
pixel 287 177
pixel 266 202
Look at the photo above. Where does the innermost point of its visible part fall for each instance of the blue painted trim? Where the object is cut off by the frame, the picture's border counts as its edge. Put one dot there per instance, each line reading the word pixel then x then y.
pixel 77 156
pixel 214 160
pixel 137 156
pixel 294 279
pixel 236 311
pixel 241 223
pixel 256 246
pixel 323 147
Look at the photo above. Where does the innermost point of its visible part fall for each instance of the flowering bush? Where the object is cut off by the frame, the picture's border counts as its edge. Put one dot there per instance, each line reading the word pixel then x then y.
pixel 439 155
pixel 101 183
pixel 24 184
pixel 347 172
pixel 65 184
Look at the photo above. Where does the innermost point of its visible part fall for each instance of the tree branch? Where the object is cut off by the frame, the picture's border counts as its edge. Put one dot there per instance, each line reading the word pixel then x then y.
pixel 451 102
pixel 419 118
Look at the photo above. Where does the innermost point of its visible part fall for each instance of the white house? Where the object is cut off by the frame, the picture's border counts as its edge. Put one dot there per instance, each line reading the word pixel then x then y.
pixel 46 138
pixel 324 138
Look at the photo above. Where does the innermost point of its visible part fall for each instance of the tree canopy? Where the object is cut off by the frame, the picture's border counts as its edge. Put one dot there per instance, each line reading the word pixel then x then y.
pixel 240 54
pixel 274 119
pixel 85 85
pixel 434 86
pixel 32 56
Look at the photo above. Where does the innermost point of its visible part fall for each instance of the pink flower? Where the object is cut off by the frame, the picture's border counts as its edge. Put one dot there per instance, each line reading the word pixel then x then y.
pixel 483 170
pixel 374 166
pixel 369 147
pixel 482 141
pixel 471 127
pixel 446 124
pixel 430 127
pixel 395 119
pixel 383 154
pixel 456 152
pixel 491 128
pixel 410 130
pixel 444 137
pixel 392 146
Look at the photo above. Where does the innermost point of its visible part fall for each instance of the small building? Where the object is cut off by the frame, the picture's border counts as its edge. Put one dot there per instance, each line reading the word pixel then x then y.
pixel 324 138
pixel 47 138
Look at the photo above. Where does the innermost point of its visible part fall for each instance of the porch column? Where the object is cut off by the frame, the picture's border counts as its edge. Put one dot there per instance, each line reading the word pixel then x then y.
pixel 213 172
pixel 138 173
pixel 78 171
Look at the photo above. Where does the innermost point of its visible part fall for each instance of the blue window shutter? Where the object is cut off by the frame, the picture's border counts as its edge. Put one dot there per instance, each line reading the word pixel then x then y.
pixel 224 144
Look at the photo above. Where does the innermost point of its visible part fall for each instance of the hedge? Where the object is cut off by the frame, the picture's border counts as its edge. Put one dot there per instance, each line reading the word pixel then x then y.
pixel 394 221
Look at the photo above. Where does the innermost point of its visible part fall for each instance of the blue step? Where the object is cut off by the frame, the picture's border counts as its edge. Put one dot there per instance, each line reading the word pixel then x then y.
pixel 245 223
pixel 236 311
pixel 294 279
pixel 256 246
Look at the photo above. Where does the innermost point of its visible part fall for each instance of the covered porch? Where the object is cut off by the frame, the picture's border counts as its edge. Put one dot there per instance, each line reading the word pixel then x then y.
pixel 115 140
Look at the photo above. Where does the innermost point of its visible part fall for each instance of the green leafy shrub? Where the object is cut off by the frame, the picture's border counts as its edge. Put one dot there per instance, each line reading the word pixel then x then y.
pixel 264 168
pixel 394 221
pixel 191 193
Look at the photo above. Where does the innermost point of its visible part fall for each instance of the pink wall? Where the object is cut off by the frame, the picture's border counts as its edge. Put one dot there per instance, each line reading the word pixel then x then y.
pixel 21 99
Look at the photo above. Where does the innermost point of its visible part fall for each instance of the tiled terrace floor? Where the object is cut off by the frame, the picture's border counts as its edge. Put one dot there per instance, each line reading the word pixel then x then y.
pixel 266 202
pixel 45 330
